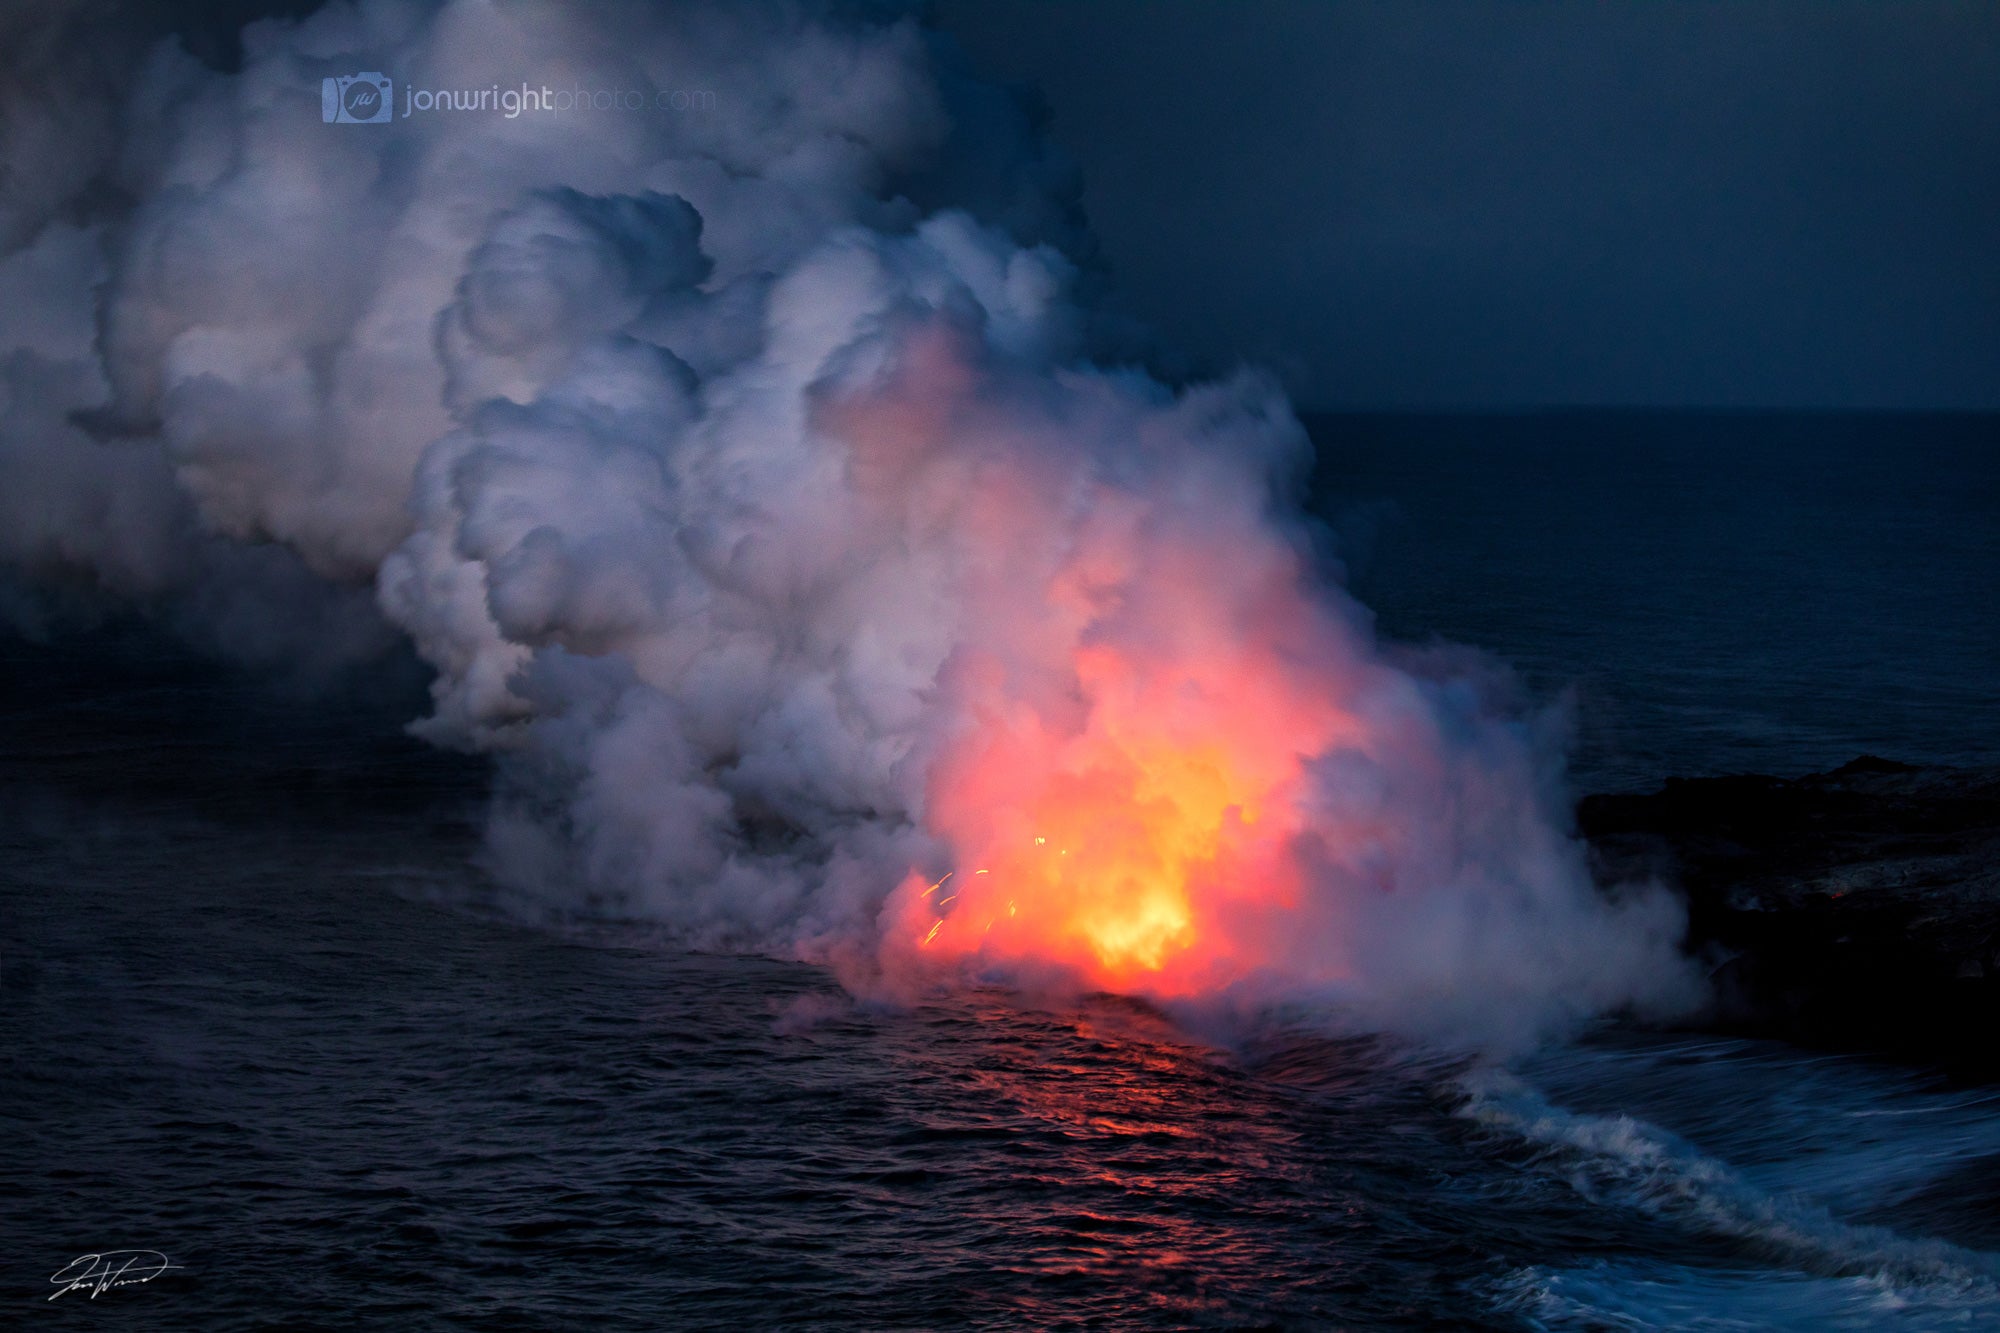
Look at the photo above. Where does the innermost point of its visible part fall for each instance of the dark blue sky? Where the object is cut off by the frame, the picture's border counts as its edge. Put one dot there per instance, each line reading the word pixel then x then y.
pixel 1507 203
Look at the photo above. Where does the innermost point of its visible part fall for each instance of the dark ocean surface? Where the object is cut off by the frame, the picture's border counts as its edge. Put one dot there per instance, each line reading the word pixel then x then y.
pixel 1716 593
pixel 258 1014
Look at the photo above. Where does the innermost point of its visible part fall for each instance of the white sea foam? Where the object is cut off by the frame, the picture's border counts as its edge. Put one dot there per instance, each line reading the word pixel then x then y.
pixel 1765 1256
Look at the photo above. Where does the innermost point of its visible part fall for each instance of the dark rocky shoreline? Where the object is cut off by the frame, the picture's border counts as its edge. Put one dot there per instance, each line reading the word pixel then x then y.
pixel 1856 910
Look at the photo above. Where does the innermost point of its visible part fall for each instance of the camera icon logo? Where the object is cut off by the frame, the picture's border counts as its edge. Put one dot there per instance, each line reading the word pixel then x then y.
pixel 356 99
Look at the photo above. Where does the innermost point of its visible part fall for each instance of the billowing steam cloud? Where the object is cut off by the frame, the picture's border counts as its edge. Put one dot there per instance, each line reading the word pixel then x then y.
pixel 745 474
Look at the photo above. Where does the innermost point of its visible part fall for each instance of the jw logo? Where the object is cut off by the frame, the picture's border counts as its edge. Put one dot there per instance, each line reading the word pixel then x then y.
pixel 355 99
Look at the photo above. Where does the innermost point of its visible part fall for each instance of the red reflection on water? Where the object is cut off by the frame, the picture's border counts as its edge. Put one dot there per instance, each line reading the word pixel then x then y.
pixel 1145 1170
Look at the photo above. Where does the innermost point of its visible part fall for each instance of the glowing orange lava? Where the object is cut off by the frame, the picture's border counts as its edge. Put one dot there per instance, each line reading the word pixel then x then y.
pixel 1123 835
pixel 1139 681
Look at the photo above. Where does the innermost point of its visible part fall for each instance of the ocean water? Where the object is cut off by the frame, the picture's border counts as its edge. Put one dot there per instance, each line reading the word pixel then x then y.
pixel 259 1011
pixel 1713 593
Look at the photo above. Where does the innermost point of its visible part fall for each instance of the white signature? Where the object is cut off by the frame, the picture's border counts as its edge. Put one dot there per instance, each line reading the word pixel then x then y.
pixel 113 1268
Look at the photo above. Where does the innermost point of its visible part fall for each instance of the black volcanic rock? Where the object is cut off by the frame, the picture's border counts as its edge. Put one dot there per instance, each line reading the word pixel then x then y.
pixel 1854 910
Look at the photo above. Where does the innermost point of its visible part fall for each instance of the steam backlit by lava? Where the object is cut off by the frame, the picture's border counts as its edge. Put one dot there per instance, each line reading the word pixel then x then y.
pixel 773 502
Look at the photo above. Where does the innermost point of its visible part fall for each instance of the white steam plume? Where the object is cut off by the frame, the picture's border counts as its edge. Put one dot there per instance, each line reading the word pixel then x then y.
pixel 740 463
